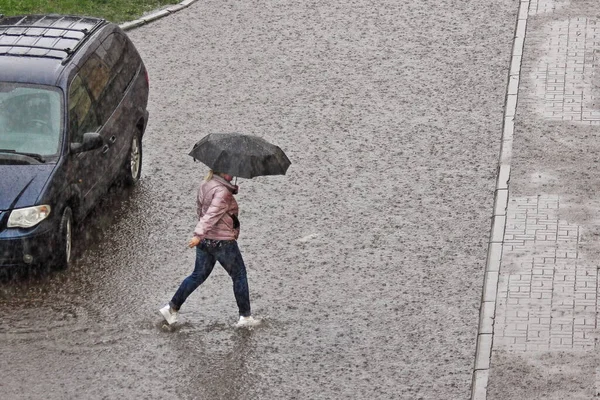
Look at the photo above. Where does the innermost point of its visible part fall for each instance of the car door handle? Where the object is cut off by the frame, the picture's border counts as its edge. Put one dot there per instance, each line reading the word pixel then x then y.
pixel 112 139
pixel 105 149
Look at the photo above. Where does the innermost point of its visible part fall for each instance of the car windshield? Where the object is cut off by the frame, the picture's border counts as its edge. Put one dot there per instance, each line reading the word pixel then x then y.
pixel 30 119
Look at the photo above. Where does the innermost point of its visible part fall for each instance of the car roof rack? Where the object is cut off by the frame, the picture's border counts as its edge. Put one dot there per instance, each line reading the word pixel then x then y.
pixel 46 36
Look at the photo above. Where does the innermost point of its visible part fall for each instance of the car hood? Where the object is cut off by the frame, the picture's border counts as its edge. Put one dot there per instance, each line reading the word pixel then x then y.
pixel 21 185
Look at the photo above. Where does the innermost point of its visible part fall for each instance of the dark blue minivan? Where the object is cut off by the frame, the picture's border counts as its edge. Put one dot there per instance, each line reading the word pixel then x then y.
pixel 73 96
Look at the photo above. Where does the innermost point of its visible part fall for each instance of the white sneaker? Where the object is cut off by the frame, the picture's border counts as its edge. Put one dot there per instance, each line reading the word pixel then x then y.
pixel 169 314
pixel 247 322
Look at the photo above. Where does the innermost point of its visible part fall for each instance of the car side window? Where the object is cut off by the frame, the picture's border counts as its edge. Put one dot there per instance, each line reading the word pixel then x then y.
pixel 118 55
pixel 82 117
pixel 126 66
pixel 114 50
pixel 123 64
pixel 95 73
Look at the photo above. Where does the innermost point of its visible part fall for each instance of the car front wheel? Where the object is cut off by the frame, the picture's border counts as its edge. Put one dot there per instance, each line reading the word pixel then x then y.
pixel 132 169
pixel 65 240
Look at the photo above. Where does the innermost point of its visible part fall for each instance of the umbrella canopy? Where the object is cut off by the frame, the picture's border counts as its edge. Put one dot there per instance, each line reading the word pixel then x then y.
pixel 244 156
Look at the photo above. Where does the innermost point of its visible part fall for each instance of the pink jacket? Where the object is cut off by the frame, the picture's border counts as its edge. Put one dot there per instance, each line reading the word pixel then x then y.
pixel 215 205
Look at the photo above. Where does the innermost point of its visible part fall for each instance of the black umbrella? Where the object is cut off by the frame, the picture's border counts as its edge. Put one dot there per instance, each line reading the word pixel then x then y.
pixel 244 156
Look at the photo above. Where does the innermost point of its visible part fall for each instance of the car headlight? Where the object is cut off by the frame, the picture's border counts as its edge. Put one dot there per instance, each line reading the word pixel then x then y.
pixel 28 217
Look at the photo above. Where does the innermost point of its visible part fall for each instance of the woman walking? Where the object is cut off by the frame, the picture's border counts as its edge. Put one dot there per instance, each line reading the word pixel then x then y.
pixel 215 239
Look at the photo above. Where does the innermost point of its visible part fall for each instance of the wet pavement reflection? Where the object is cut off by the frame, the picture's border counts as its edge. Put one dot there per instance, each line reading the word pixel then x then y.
pixel 92 326
pixel 365 261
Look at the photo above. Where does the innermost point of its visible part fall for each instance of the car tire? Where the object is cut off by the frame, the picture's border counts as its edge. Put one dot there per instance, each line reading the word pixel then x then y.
pixel 132 168
pixel 64 251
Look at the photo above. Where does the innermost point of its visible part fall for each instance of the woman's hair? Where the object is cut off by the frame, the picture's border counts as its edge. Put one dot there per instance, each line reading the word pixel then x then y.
pixel 209 175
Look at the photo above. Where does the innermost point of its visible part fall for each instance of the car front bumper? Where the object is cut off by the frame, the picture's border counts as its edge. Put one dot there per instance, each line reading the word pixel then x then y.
pixel 32 246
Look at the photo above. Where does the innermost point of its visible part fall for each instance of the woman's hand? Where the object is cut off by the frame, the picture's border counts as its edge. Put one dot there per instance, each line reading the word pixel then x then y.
pixel 194 242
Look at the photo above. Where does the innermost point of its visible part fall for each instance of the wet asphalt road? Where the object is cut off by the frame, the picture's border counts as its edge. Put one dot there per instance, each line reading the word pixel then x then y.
pixel 365 261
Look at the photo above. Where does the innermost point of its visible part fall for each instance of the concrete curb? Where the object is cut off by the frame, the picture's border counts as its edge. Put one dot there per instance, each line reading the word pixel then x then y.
pixel 156 15
pixel 487 311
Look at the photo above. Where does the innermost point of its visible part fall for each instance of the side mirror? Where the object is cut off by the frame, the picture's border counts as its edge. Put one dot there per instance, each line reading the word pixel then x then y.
pixel 91 141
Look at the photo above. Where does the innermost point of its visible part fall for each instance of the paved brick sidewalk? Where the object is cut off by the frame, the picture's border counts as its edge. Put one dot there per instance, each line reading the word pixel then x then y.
pixel 546 293
pixel 545 316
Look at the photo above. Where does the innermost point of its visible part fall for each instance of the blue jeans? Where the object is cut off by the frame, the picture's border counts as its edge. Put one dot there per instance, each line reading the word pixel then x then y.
pixel 227 253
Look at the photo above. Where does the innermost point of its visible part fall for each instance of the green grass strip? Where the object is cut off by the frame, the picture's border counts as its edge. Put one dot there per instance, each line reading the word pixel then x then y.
pixel 113 10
